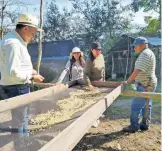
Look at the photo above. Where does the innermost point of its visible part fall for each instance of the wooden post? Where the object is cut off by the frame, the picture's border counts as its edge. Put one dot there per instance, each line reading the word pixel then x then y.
pixel 2 17
pixel 112 71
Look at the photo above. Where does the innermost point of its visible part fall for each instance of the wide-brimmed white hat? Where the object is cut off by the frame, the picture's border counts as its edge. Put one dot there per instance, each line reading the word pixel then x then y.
pixel 29 20
pixel 76 49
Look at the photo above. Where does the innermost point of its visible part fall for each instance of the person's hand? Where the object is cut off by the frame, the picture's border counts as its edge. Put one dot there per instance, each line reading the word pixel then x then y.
pixel 38 78
pixel 34 72
pixel 125 82
pixel 91 87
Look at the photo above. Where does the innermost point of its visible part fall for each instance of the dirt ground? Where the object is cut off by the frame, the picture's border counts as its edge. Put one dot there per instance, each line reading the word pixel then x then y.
pixel 109 136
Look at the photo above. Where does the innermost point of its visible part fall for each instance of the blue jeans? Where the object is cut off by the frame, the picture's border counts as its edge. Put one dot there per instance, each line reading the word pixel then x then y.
pixel 138 107
pixel 20 114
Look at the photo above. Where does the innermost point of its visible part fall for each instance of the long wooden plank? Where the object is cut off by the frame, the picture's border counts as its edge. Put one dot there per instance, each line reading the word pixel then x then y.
pixel 70 136
pixel 47 85
pixel 151 95
pixel 44 85
pixel 106 84
pixel 71 83
pixel 18 101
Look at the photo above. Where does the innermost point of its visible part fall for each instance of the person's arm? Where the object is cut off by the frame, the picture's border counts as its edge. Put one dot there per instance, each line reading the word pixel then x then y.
pixel 104 74
pixel 13 63
pixel 34 72
pixel 64 72
pixel 87 74
pixel 133 76
pixel 104 69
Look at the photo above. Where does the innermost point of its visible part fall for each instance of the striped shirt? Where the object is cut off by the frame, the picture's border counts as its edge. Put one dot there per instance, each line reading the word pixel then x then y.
pixel 15 62
pixel 146 63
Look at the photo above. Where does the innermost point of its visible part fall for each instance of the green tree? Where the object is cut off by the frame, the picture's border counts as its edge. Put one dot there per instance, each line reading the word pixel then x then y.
pixel 154 24
pixel 57 23
pixel 102 20
pixel 9 10
pixel 88 20
pixel 153 28
pixel 147 5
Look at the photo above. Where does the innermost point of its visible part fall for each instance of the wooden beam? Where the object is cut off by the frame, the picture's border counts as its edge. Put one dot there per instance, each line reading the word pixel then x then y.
pixel 151 95
pixel 18 101
pixel 106 84
pixel 71 83
pixel 70 136
pixel 44 85
pixel 47 85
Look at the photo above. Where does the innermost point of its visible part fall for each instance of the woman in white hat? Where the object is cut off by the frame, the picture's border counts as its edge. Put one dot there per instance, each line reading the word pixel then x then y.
pixel 74 67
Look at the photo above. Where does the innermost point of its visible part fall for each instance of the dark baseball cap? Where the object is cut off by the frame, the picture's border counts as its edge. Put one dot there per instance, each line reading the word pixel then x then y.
pixel 139 40
pixel 96 45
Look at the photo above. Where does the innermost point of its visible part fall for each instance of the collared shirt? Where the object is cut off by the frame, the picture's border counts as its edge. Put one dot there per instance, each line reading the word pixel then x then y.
pixel 15 61
pixel 146 63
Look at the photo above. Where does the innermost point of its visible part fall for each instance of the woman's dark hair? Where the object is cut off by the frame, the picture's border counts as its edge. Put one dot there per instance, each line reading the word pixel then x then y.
pixel 81 60
pixel 91 56
pixel 72 61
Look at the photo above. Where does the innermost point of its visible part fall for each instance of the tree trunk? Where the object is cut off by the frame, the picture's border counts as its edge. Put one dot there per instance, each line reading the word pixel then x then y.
pixel 127 65
pixel 2 16
pixel 40 38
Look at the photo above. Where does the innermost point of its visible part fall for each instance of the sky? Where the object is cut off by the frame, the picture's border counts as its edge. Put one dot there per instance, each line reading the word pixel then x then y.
pixel 137 19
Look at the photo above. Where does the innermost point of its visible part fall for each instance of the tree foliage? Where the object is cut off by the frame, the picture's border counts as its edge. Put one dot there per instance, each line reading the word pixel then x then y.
pixel 9 10
pixel 147 5
pixel 56 23
pixel 153 28
pixel 88 20
pixel 154 24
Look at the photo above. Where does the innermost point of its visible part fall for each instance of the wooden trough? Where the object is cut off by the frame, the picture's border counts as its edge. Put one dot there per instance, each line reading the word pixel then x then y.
pixel 71 131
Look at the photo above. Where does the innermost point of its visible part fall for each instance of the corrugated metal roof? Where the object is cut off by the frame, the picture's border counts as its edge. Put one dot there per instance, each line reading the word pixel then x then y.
pixel 53 48
pixel 155 41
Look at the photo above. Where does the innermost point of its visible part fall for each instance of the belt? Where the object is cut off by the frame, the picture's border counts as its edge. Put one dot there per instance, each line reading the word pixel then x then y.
pixel 16 85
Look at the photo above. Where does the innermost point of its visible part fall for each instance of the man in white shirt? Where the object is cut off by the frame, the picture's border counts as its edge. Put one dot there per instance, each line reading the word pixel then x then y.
pixel 16 67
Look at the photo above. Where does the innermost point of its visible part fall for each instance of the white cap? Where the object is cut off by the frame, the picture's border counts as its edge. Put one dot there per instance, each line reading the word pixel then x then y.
pixel 76 49
pixel 29 20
